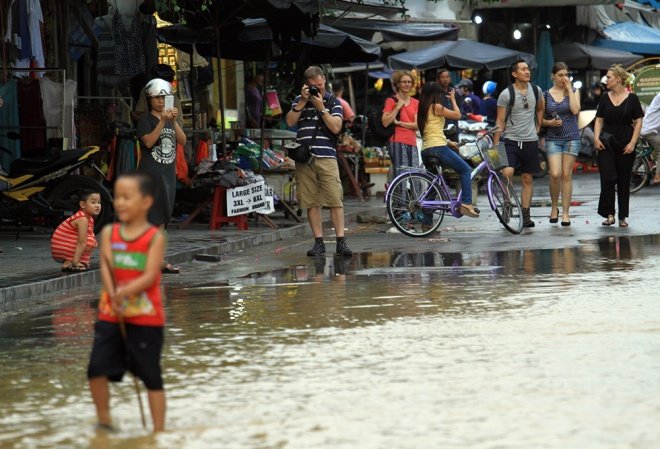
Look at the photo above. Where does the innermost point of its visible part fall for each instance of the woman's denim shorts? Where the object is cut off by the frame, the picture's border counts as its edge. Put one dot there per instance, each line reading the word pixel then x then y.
pixel 571 147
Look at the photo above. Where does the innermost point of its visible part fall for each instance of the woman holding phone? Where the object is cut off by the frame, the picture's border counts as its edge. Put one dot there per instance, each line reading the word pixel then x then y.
pixel 159 133
pixel 562 141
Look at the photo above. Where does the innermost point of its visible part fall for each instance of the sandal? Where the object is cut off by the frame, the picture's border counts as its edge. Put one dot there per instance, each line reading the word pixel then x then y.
pixel 74 268
pixel 610 221
pixel 469 210
pixel 623 224
pixel 169 269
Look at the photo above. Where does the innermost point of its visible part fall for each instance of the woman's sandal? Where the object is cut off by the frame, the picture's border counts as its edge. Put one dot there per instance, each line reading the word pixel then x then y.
pixel 623 224
pixel 610 221
pixel 470 211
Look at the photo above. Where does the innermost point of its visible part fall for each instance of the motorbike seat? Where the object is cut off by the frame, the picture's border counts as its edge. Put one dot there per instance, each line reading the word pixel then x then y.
pixel 25 166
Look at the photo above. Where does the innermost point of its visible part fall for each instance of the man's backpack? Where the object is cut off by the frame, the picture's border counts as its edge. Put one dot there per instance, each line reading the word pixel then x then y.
pixel 512 100
pixel 375 122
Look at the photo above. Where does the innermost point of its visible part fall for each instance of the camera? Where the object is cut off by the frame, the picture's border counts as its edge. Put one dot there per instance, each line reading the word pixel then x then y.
pixel 314 91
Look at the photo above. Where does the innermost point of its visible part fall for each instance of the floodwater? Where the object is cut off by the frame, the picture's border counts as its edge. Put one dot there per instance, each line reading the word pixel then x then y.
pixel 518 349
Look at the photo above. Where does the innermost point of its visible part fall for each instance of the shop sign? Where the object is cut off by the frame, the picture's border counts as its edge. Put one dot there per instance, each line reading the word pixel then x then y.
pixel 647 84
pixel 257 197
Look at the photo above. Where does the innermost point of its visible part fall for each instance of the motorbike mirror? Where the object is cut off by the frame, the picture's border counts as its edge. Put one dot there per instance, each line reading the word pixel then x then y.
pixel 13 135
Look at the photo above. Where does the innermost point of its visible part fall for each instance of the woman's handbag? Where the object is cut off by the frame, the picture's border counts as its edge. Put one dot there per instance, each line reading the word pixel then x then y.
pixel 608 140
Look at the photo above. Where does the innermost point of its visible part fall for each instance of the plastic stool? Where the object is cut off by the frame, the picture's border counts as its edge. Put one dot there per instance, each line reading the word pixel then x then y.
pixel 218 212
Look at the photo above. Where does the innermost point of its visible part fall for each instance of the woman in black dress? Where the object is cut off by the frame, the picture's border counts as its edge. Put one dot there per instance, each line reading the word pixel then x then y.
pixel 619 114
pixel 159 134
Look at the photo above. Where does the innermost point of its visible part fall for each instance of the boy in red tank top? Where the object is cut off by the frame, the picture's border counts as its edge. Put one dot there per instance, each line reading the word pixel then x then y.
pixel 131 255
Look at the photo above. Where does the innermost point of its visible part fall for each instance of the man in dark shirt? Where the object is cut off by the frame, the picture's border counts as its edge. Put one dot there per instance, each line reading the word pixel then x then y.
pixel 444 79
pixel 318 180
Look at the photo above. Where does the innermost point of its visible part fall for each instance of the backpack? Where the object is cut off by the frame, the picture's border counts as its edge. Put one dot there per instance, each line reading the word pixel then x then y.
pixel 375 123
pixel 512 100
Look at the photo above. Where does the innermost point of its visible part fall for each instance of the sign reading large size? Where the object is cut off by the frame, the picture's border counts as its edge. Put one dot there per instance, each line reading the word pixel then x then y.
pixel 257 197
pixel 647 84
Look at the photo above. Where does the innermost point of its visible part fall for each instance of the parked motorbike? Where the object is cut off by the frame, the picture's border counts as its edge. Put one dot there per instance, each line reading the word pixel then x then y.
pixel 43 191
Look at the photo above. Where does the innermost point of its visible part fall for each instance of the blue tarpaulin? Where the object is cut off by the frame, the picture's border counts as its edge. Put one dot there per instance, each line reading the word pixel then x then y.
pixel 632 37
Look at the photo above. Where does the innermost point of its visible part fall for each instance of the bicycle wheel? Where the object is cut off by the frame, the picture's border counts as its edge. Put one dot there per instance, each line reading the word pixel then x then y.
pixel 641 173
pixel 404 198
pixel 504 201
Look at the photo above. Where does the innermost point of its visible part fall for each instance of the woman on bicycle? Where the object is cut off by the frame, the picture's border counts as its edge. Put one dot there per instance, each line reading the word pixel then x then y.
pixel 431 122
pixel 402 146
pixel 562 141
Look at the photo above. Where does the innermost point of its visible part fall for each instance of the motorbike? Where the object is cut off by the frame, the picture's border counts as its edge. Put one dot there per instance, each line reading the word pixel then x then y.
pixel 43 191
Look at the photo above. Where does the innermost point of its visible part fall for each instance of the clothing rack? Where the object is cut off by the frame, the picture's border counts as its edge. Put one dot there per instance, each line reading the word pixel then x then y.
pixel 49 70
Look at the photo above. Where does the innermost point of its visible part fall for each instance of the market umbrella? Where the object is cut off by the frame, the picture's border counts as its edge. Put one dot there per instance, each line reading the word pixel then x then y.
pixel 459 54
pixel 581 56
pixel 544 61
pixel 387 31
pixel 254 42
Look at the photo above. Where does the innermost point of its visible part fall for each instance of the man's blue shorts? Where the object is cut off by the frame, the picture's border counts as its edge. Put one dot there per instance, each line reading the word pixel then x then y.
pixel 523 155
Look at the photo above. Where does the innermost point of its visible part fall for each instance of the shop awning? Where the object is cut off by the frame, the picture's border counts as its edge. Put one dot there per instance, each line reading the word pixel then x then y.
pixel 632 37
pixel 581 56
pixel 459 54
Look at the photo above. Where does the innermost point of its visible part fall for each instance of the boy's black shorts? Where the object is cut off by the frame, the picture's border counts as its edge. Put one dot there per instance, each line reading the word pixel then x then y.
pixel 523 155
pixel 108 359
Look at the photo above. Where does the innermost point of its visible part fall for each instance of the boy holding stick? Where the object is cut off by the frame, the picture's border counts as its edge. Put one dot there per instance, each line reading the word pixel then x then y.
pixel 128 334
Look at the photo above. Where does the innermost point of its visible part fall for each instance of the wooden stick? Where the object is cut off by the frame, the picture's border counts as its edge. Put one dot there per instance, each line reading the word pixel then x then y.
pixel 124 336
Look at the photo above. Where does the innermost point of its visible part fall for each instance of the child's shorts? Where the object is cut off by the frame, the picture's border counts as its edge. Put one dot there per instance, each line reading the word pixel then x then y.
pixel 109 358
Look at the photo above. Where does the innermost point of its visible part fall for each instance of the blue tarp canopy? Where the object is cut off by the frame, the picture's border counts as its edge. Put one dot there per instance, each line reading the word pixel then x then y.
pixel 460 54
pixel 632 37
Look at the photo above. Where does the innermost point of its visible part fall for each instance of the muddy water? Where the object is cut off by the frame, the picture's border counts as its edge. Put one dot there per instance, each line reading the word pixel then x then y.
pixel 522 349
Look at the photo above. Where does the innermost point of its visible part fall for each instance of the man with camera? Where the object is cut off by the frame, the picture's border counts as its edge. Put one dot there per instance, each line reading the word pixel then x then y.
pixel 318 116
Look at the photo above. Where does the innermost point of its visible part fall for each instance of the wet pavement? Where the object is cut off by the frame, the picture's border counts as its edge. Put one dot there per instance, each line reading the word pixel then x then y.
pixel 544 348
pixel 472 338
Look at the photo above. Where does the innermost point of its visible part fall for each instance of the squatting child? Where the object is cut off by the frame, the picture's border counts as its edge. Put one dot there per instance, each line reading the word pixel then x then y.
pixel 73 241
pixel 131 256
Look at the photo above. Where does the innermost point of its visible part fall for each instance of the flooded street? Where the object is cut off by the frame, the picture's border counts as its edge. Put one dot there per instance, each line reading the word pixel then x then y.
pixel 556 348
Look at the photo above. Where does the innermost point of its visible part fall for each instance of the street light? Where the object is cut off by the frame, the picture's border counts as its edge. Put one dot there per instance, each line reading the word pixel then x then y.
pixel 478 19
pixel 517 34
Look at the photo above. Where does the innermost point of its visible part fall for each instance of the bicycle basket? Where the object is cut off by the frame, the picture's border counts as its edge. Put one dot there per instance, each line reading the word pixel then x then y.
pixel 497 157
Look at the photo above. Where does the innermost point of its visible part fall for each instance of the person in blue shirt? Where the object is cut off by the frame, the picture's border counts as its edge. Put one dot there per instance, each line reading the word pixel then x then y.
pixel 471 103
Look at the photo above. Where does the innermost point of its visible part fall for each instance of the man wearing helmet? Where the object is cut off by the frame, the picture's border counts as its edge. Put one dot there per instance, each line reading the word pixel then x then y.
pixel 159 132
pixel 489 102
pixel 164 72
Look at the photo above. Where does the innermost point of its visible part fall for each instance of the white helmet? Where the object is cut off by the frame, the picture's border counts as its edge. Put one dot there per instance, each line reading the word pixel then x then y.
pixel 157 87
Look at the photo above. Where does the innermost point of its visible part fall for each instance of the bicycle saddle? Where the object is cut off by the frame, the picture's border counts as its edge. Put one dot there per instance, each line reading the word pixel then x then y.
pixel 432 164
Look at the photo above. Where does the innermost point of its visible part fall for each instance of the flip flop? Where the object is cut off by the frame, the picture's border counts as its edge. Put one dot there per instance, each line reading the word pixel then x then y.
pixel 169 269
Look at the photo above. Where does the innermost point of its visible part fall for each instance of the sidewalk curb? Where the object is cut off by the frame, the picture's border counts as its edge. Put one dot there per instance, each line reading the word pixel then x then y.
pixel 15 296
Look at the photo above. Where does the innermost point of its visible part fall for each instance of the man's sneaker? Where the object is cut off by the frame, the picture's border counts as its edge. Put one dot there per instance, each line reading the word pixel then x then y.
pixel 317 250
pixel 343 249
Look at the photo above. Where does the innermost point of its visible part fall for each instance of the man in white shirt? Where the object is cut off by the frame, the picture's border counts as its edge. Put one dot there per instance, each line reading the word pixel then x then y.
pixel 651 132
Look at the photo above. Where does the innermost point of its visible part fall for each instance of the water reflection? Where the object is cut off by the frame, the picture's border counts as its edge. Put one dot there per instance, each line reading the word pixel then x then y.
pixel 512 349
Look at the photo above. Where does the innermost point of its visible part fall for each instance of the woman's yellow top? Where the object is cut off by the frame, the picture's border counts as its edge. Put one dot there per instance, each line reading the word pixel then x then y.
pixel 434 135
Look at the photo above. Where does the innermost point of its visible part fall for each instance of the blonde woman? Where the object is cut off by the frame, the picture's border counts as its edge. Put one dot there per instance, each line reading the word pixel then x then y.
pixel 402 146
pixel 562 141
pixel 616 130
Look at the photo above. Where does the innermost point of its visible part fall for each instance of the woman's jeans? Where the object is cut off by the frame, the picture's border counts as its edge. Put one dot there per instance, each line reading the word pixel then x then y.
pixel 450 159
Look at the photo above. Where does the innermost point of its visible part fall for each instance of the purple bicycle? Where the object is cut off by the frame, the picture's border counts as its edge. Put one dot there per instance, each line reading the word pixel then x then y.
pixel 418 198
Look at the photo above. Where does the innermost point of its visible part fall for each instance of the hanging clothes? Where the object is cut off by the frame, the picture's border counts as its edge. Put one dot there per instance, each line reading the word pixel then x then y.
pixel 31 116
pixel 9 122
pixel 35 21
pixel 54 107
pixel 129 55
pixel 105 54
pixel 181 165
